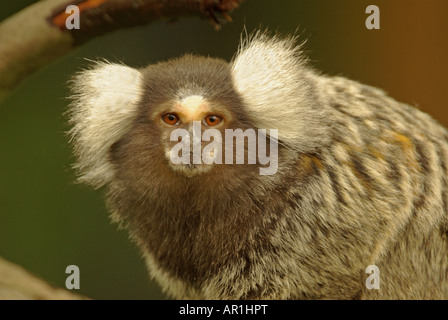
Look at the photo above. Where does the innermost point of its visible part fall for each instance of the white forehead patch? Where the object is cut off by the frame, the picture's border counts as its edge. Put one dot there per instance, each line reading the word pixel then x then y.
pixel 192 108
pixel 191 103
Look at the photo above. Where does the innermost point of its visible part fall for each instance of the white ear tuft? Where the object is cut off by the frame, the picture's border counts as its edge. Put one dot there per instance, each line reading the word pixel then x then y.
pixel 105 100
pixel 270 74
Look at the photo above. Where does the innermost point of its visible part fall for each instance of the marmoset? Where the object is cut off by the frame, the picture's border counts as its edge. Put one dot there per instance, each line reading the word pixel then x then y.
pixel 357 179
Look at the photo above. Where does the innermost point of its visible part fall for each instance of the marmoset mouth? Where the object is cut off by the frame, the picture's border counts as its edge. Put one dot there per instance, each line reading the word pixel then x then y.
pixel 190 169
pixel 192 166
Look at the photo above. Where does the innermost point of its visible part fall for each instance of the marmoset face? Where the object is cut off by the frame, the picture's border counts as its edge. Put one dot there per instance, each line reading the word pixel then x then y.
pixel 186 126
pixel 192 126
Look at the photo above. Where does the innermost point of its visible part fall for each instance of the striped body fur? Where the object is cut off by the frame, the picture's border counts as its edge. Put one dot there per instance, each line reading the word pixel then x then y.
pixel 362 180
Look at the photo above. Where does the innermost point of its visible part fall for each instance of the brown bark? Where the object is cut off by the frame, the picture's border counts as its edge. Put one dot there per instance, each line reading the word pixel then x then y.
pixel 18 284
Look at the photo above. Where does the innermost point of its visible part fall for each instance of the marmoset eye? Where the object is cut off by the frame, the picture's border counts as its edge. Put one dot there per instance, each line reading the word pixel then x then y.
pixel 171 119
pixel 212 120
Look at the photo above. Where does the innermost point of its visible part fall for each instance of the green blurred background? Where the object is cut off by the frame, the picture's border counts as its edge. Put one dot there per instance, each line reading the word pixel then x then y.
pixel 47 222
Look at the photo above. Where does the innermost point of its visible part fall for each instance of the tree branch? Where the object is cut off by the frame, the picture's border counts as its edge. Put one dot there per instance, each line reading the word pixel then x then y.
pixel 37 35
pixel 18 284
